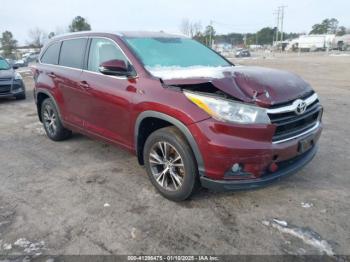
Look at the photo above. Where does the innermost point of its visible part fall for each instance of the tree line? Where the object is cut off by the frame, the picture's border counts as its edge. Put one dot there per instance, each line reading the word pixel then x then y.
pixel 265 36
pixel 37 36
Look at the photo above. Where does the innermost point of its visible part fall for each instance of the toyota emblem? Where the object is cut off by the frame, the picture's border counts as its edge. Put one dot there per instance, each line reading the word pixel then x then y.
pixel 301 107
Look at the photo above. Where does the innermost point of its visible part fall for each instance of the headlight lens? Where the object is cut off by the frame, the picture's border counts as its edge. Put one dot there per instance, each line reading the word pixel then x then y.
pixel 229 111
pixel 18 76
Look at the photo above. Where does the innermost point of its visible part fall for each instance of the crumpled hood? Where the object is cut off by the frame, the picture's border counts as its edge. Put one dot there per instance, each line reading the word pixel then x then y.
pixel 260 85
pixel 6 73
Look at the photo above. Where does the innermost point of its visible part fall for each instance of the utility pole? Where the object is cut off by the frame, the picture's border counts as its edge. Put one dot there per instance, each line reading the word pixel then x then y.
pixel 282 18
pixel 277 13
pixel 211 35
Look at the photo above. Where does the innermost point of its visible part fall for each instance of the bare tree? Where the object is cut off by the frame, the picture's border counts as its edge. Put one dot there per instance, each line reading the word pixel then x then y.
pixel 190 28
pixel 185 26
pixel 37 37
pixel 196 28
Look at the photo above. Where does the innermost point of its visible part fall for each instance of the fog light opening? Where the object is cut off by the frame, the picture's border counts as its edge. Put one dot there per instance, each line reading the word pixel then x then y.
pixel 236 168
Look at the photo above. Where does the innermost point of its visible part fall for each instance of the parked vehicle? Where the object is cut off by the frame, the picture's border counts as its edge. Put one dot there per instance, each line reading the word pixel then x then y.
pixel 342 43
pixel 20 63
pixel 31 57
pixel 11 83
pixel 191 116
pixel 242 53
pixel 311 43
pixel 10 61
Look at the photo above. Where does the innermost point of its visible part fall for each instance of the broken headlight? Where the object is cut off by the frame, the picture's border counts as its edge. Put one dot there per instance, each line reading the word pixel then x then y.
pixel 229 111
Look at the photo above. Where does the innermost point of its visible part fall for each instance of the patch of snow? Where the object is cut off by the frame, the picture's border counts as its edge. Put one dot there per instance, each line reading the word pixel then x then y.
pixel 339 55
pixel 22 242
pixel 29 247
pixel 7 246
pixel 306 205
pixel 306 235
pixel 265 223
pixel 135 233
pixel 178 72
pixel 280 222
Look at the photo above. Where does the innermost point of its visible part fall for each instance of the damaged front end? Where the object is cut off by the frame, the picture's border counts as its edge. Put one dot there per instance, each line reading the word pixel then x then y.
pixel 261 86
pixel 245 126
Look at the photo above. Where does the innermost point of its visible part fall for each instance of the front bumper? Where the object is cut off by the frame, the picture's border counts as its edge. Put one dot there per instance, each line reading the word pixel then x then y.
pixel 11 88
pixel 260 161
pixel 292 167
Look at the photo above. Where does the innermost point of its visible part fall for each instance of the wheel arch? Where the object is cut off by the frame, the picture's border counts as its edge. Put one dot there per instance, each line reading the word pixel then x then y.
pixel 172 121
pixel 41 95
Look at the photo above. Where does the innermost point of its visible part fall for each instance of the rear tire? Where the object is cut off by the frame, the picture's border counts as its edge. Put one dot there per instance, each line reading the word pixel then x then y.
pixel 170 164
pixel 52 122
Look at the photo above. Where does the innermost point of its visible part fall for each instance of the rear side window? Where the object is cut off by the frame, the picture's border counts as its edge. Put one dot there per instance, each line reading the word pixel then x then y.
pixel 51 54
pixel 72 53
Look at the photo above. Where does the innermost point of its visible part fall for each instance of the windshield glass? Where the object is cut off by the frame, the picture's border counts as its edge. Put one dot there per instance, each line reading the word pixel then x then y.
pixel 174 52
pixel 4 65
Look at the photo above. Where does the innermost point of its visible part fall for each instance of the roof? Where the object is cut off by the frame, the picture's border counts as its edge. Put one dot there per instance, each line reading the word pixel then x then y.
pixel 150 34
pixel 158 34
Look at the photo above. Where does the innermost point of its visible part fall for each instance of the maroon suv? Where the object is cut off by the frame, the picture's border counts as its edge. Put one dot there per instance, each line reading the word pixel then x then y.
pixel 191 116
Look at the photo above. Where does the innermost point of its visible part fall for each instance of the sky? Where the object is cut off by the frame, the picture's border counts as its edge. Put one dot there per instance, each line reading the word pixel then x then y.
pixel 241 16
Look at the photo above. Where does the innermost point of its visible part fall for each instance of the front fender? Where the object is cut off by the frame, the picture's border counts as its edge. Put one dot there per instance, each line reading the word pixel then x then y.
pixel 180 125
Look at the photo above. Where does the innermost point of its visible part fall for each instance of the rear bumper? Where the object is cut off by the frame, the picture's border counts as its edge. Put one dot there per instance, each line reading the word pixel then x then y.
pixel 290 168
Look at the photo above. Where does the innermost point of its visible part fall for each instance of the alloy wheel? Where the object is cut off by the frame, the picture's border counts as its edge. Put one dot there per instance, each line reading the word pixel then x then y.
pixel 50 120
pixel 167 166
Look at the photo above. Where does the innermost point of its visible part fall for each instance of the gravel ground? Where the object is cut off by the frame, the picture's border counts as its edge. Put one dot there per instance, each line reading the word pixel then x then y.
pixel 85 197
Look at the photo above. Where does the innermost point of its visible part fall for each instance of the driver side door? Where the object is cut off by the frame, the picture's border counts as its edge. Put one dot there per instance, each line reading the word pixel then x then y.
pixel 110 99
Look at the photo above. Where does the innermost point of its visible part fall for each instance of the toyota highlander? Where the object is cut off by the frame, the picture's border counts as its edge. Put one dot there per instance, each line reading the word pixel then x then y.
pixel 191 116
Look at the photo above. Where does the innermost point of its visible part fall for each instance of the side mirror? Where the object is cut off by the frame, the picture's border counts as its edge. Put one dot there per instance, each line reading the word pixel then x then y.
pixel 15 67
pixel 114 67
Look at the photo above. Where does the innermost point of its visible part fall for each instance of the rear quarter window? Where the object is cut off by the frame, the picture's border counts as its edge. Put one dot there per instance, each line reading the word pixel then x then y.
pixel 72 53
pixel 51 54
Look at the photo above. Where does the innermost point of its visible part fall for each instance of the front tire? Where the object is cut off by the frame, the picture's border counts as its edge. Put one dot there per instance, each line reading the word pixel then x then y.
pixel 170 164
pixel 52 123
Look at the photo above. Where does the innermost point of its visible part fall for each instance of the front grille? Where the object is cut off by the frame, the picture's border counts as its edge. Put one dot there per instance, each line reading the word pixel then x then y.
pixel 289 124
pixel 16 86
pixel 5 89
pixel 5 79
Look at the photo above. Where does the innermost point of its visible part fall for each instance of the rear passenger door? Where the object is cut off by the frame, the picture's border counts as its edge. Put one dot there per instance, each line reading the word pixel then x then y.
pixel 68 73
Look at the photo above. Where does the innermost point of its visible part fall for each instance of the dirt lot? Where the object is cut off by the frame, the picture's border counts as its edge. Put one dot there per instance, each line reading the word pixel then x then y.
pixel 85 197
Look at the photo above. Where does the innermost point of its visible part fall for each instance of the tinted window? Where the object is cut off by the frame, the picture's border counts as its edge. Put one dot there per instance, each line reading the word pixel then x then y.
pixel 51 54
pixel 103 50
pixel 72 53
